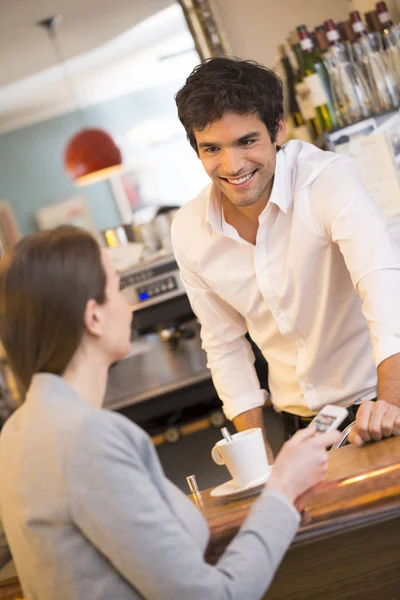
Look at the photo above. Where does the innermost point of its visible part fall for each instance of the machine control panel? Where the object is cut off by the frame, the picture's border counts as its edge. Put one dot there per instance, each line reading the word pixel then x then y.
pixel 144 274
pixel 156 288
pixel 151 282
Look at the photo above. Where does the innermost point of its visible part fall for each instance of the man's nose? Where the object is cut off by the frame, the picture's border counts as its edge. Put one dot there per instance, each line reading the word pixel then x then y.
pixel 232 162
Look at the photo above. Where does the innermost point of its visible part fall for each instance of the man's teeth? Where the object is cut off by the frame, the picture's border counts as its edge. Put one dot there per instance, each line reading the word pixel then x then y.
pixel 241 179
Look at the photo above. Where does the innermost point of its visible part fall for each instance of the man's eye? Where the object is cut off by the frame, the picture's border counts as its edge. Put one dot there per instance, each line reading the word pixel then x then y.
pixel 211 150
pixel 247 142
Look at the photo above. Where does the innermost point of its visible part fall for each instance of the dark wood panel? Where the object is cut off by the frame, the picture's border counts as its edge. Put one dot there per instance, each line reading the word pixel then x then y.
pixel 356 565
pixel 11 590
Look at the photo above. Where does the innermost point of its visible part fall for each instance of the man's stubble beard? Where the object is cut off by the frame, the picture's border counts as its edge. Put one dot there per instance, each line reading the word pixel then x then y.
pixel 243 202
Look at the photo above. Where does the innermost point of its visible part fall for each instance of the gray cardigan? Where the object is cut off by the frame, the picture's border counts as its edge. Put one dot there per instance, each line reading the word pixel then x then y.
pixel 89 514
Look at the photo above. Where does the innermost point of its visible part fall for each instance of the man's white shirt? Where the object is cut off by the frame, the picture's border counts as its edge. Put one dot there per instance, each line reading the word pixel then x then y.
pixel 319 292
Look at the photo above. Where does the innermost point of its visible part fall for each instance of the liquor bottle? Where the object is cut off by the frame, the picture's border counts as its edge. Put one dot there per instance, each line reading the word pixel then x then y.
pixel 294 109
pixel 321 48
pixel 314 82
pixel 389 30
pixel 332 34
pixel 382 79
pixel 295 117
pixel 390 35
pixel 357 24
pixel 321 41
pixel 302 92
pixel 349 87
pixel 346 32
pixel 383 15
pixel 373 22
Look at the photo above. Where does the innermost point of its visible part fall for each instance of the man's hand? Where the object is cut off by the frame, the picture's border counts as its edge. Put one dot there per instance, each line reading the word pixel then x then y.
pixel 374 421
pixel 254 418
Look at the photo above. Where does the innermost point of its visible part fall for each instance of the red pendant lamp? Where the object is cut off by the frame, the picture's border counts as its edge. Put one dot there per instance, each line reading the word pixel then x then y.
pixel 91 154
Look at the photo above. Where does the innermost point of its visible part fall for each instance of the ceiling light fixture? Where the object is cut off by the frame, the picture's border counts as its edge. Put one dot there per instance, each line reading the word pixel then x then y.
pixel 91 154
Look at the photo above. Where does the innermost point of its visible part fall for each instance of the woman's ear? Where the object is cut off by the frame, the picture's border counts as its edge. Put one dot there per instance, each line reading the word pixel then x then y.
pixel 93 318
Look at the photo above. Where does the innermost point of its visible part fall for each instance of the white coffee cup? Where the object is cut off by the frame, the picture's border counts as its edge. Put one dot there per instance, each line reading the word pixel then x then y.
pixel 245 456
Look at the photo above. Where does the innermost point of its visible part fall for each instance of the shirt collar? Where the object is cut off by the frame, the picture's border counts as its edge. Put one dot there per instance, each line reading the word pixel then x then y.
pixel 48 385
pixel 279 187
pixel 214 209
pixel 214 219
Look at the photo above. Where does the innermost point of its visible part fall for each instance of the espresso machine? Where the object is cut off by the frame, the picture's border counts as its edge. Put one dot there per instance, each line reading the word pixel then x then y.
pixel 164 382
pixel 156 295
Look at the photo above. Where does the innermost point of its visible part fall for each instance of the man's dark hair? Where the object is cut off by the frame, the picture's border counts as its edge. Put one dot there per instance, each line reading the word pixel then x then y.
pixel 46 280
pixel 229 85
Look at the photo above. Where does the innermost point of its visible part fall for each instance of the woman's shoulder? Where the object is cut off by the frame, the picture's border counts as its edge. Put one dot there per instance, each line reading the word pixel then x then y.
pixel 104 426
pixel 107 441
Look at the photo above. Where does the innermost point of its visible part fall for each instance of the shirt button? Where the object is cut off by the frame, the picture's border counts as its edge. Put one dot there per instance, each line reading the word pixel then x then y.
pixel 300 344
pixel 309 386
pixel 278 312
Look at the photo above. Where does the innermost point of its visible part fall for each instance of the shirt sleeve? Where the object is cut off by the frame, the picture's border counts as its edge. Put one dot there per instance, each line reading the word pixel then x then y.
pixel 352 219
pixel 119 508
pixel 229 355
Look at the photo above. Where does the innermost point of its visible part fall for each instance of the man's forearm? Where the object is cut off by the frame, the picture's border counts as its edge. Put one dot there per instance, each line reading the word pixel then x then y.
pixel 389 380
pixel 254 418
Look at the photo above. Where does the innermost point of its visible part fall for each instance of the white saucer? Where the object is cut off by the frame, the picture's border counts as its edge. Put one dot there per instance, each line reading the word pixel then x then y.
pixel 230 489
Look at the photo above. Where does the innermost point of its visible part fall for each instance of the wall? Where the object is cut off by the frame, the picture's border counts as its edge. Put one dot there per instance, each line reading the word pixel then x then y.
pixel 254 28
pixel 127 87
pixel 32 175
pixel 31 170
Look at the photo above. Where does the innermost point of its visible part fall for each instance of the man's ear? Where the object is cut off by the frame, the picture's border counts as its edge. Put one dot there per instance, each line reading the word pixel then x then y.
pixel 93 318
pixel 281 133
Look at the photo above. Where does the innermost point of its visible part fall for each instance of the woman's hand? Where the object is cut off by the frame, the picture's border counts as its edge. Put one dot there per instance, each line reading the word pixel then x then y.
pixel 302 462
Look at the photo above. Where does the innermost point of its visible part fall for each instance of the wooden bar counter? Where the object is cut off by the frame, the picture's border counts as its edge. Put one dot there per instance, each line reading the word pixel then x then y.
pixel 348 544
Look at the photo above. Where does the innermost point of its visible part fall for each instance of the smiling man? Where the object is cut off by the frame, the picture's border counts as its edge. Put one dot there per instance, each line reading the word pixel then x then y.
pixel 286 244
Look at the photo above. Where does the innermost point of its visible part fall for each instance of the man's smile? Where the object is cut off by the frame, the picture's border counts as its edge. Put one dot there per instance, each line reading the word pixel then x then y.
pixel 241 181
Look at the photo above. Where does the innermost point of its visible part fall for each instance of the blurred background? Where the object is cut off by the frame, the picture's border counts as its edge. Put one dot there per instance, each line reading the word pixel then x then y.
pixel 89 135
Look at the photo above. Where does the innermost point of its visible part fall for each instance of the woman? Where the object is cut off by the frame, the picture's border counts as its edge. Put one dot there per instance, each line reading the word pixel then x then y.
pixel 85 505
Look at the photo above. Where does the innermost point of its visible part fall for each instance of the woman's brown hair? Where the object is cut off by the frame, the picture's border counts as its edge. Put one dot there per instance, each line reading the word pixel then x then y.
pixel 46 280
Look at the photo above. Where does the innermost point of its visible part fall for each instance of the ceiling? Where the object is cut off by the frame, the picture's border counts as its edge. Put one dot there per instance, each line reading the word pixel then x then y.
pixel 109 53
pixel 86 24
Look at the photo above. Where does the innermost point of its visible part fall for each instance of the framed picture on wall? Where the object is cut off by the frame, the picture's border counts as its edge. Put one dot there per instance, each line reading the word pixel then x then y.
pixel 125 190
pixel 74 211
pixel 9 230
